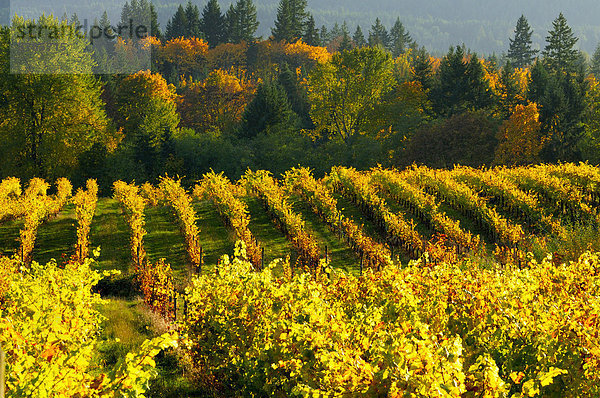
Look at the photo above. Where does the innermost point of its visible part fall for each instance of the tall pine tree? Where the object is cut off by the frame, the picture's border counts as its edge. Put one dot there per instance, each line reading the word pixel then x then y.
pixel 400 39
pixel 192 14
pixel 241 21
pixel 213 23
pixel 520 53
pixel 311 36
pixel 359 37
pixel 378 35
pixel 177 25
pixel 595 66
pixel 560 53
pixel 291 21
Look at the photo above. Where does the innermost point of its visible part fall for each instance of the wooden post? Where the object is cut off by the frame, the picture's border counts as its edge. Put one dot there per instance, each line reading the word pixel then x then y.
pixel 361 262
pixel 2 369
pixel 262 258
pixel 175 306
pixel 326 256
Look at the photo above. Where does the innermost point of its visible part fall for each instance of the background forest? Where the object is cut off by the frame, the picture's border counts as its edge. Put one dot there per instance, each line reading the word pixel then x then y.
pixel 220 97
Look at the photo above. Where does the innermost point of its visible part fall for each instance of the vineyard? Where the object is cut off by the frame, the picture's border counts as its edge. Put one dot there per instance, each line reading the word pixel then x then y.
pixel 416 282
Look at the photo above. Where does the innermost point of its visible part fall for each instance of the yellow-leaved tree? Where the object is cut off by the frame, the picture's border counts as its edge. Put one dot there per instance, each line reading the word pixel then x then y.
pixel 519 138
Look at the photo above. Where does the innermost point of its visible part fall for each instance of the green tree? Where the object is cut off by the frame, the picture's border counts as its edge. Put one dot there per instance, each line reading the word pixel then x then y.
pixel 520 53
pixel 378 35
pixel 400 39
pixel 345 91
pixel 50 106
pixel 290 24
pixel 359 37
pixel 311 36
pixel 213 23
pixel 346 43
pixel 146 110
pixel 509 90
pixel 423 69
pixel 192 15
pixel 595 63
pixel 268 112
pixel 177 25
pixel 324 35
pixel 241 21
pixel 461 84
pixel 560 53
pixel 296 95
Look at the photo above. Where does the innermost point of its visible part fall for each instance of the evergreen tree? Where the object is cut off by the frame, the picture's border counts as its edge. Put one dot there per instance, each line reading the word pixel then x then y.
pixel 422 69
pixel 154 25
pixel 480 94
pixel 296 95
pixel 400 39
pixel 268 111
pixel 325 37
pixel 311 36
pixel 213 23
pixel 559 53
pixel 346 43
pixel 241 21
pixel 176 27
pixel 462 85
pixel 378 35
pixel 520 53
pixel 336 32
pixel 595 66
pixel 192 15
pixel 359 37
pixel 291 21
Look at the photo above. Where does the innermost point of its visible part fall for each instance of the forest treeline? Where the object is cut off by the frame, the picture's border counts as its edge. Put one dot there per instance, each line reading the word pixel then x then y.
pixel 483 25
pixel 218 97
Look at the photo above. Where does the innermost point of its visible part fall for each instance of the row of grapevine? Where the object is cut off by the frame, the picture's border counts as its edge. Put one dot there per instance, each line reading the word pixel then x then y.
pixel 356 187
pixel 424 207
pixel 232 210
pixel 557 193
pixel 462 198
pixel 584 176
pixel 133 206
pixel 262 184
pixel 155 280
pixel 50 324
pixel 85 206
pixel 181 202
pixel 37 208
pixel 10 191
pixel 324 205
pixel 453 330
pixel 509 197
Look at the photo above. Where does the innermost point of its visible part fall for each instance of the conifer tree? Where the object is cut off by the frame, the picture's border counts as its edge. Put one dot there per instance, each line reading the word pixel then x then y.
pixel 378 35
pixel 213 23
pixel 177 25
pixel 400 39
pixel 311 36
pixel 336 32
pixel 595 66
pixel 241 21
pixel 296 95
pixel 520 53
pixel 359 37
pixel 291 21
pixel 422 69
pixel 268 110
pixel 560 53
pixel 509 90
pixel 346 43
pixel 192 14
pixel 324 35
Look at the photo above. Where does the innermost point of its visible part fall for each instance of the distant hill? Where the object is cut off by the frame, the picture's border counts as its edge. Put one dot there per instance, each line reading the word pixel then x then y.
pixel 482 25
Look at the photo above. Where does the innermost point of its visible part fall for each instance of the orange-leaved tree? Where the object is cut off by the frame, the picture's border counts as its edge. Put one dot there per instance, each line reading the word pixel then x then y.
pixel 520 138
